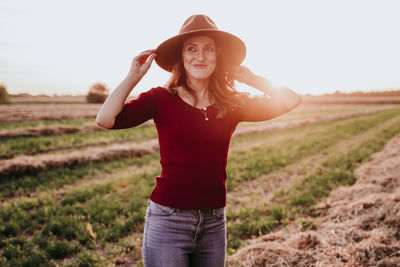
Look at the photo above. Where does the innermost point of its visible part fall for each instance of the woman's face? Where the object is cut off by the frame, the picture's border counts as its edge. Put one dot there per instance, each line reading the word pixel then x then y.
pixel 199 55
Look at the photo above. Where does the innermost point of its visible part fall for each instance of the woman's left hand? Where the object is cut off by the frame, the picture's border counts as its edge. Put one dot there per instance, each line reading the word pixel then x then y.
pixel 243 74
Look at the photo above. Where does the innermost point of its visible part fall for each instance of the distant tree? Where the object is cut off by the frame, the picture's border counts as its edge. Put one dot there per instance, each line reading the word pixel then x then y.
pixel 337 92
pixel 4 98
pixel 97 93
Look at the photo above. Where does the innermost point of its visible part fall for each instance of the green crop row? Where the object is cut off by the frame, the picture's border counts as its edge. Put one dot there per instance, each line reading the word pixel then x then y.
pixel 34 145
pixel 56 178
pixel 273 150
pixel 314 111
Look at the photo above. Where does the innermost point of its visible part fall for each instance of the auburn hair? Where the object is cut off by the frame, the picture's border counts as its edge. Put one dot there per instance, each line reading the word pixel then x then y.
pixel 221 87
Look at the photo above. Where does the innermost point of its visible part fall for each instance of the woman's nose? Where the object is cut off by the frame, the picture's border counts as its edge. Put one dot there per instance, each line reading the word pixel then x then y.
pixel 200 55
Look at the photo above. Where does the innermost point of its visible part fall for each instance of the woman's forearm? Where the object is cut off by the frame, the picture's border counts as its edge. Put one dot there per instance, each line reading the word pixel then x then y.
pixel 287 96
pixel 115 102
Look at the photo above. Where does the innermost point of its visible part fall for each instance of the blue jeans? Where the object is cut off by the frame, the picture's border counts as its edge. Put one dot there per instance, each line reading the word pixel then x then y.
pixel 180 238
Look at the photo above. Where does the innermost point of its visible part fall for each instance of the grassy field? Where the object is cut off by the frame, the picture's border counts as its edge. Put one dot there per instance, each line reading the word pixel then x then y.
pixel 64 205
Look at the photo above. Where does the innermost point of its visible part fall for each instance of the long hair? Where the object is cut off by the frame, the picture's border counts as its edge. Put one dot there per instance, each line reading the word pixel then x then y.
pixel 221 88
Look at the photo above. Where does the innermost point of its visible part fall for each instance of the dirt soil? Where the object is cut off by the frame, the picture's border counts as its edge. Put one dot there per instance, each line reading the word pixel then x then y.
pixel 357 225
pixel 51 111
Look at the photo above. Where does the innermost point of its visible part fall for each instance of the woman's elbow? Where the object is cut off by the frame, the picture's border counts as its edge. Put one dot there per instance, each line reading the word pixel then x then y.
pixel 292 101
pixel 105 122
pixel 297 102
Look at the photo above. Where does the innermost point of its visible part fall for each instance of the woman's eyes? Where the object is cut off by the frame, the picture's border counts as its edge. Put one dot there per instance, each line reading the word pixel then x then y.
pixel 194 49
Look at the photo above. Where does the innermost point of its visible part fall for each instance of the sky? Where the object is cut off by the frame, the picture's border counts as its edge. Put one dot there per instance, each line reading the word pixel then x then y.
pixel 311 46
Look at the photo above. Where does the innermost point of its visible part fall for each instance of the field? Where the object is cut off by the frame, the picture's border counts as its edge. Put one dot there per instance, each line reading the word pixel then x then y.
pixel 73 194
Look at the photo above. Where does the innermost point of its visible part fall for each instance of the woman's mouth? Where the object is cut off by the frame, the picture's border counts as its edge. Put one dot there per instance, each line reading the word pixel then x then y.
pixel 200 66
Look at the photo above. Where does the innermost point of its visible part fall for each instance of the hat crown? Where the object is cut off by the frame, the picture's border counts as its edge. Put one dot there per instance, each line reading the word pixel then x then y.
pixel 198 22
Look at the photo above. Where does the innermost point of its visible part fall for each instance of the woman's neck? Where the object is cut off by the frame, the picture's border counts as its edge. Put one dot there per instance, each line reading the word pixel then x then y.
pixel 200 88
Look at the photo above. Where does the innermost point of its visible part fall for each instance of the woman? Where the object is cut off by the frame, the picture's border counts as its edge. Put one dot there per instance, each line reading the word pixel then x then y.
pixel 195 115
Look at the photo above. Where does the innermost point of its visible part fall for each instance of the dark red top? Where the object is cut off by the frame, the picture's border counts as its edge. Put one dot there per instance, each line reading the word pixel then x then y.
pixel 193 151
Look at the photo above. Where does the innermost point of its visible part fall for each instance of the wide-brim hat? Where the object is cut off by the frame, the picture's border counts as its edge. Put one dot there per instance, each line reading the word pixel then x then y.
pixel 231 46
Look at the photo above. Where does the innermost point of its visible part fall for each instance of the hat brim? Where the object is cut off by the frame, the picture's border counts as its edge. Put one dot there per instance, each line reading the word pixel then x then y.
pixel 231 46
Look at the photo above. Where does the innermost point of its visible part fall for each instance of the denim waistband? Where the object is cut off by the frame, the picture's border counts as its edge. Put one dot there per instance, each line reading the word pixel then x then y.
pixel 209 211
pixel 192 211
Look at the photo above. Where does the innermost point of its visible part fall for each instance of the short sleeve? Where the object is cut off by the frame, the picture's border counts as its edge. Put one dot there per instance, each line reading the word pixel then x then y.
pixel 260 109
pixel 137 111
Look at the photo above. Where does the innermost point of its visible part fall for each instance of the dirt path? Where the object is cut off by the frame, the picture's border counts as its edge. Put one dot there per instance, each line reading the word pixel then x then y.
pixel 358 225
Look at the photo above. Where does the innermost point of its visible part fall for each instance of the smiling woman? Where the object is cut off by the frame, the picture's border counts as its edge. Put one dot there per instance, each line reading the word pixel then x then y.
pixel 199 57
pixel 195 114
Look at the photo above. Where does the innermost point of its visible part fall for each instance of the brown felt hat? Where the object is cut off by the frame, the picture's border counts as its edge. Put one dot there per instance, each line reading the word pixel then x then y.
pixel 231 46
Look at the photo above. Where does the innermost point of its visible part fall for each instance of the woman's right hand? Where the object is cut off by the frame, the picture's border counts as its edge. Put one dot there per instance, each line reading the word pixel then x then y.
pixel 115 101
pixel 141 63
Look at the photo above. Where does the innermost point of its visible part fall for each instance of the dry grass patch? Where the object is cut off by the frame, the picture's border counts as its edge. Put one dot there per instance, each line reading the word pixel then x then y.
pixel 43 130
pixel 28 164
pixel 34 112
pixel 49 130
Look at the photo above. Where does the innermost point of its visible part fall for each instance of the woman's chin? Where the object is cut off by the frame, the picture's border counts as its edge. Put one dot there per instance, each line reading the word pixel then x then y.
pixel 200 76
